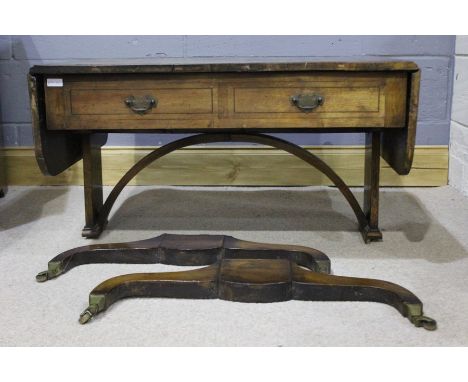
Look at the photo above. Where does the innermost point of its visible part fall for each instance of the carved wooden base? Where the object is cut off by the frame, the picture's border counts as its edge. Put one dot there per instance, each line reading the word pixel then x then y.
pixel 237 271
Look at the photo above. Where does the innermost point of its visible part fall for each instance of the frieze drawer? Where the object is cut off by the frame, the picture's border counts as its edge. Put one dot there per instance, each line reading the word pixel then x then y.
pixel 228 101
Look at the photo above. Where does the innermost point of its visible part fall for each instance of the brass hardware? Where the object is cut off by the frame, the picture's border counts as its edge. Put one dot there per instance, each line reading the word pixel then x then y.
pixel 141 105
pixel 97 303
pixel 414 312
pixel 42 276
pixel 424 321
pixel 55 269
pixel 88 314
pixel 307 102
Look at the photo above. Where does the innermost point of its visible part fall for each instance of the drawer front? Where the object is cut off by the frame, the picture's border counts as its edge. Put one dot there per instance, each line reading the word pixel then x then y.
pixel 167 101
pixel 325 100
pixel 131 102
pixel 334 99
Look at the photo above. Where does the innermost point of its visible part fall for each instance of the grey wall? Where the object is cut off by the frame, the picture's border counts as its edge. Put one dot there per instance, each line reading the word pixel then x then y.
pixel 434 54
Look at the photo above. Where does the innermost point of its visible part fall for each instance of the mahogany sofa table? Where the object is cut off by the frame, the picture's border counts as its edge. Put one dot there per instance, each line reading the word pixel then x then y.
pixel 75 105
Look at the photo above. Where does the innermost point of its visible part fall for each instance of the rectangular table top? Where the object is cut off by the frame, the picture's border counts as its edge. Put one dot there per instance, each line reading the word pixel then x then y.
pixel 58 150
pixel 222 65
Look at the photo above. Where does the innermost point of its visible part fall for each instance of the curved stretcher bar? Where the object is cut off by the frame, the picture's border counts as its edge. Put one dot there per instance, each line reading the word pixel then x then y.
pixel 262 139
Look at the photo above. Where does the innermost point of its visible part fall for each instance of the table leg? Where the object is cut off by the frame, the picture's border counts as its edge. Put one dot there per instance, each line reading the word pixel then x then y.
pixel 371 232
pixel 92 176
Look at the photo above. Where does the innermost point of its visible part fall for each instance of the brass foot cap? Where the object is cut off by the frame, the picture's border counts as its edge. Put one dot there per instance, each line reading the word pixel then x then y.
pixel 43 276
pixel 85 317
pixel 426 322
pixel 88 313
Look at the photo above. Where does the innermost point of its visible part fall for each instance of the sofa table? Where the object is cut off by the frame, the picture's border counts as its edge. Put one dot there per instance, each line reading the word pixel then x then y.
pixel 75 105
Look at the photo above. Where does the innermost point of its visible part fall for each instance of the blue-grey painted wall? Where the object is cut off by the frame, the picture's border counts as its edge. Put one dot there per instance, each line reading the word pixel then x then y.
pixel 434 55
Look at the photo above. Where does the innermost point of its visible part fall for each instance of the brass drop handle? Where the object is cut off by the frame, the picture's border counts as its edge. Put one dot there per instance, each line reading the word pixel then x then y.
pixel 141 105
pixel 307 102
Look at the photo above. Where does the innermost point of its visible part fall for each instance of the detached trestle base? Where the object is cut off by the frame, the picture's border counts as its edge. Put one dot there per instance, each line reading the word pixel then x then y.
pixel 235 270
